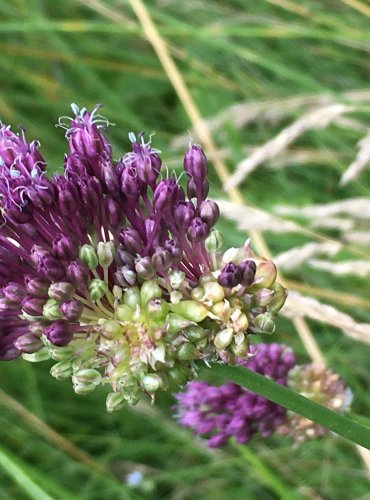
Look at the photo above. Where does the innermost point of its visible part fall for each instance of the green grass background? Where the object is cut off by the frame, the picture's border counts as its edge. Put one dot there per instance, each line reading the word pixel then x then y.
pixel 53 53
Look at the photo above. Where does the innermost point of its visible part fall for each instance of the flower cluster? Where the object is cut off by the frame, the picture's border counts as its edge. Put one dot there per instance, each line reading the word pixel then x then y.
pixel 222 412
pixel 114 270
pixel 323 386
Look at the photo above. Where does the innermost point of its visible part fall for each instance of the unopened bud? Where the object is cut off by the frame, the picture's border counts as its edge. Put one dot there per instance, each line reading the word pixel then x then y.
pixel 144 268
pixel 198 293
pixel 151 382
pixel 178 376
pixel 28 343
pixel 97 289
pixel 214 241
pixel 265 274
pixel 262 297
pixel 187 352
pixel 264 323
pixel 88 256
pixel 223 338
pixel 87 376
pixel 51 310
pixel 112 329
pixel 241 350
pixel 150 290
pixel 106 253
pixel 176 323
pixel 213 292
pixel 132 297
pixel 176 278
pixel 61 370
pixel 41 355
pixel 115 401
pixel 195 333
pixel 192 310
pixel 124 312
pixel 279 298
pixel 61 291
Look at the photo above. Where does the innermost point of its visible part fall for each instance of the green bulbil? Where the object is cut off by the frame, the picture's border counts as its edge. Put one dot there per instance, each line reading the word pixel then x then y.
pixel 88 256
pixel 97 289
pixel 191 310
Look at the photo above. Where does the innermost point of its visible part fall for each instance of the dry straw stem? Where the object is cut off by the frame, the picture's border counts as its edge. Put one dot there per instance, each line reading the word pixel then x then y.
pixel 273 111
pixel 358 237
pixel 359 268
pixel 297 256
pixel 50 434
pixel 362 159
pixel 200 126
pixel 318 118
pixel 358 208
pixel 298 305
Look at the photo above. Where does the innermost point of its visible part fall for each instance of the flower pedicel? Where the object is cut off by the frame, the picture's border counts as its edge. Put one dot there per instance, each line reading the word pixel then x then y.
pixel 114 270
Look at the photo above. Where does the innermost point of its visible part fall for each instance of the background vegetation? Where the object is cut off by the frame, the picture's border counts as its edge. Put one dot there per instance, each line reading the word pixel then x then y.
pixel 253 69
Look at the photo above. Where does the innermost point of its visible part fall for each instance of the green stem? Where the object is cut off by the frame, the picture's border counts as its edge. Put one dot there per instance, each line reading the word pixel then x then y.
pixel 265 474
pixel 293 401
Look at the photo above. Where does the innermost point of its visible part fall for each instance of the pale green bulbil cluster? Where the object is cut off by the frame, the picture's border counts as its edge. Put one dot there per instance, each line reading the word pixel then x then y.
pixel 151 334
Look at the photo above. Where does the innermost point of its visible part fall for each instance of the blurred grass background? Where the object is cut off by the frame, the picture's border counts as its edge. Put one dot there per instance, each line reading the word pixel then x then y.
pixel 228 52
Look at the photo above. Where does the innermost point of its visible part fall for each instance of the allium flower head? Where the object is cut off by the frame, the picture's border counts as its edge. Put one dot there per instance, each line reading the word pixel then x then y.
pixel 322 385
pixel 229 410
pixel 115 271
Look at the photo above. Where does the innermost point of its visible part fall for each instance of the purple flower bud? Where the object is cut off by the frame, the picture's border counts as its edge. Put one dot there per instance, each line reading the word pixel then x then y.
pixel 61 291
pixel 174 249
pixel 33 306
pixel 165 194
pixel 28 343
pixel 7 305
pixel 209 212
pixel 14 291
pixel 50 267
pixel 194 191
pixel 248 270
pixel 195 164
pixel 198 230
pixel 75 167
pixel 109 178
pixel 72 310
pixel 84 137
pixel 129 183
pixel 41 193
pixel 144 268
pixel 59 333
pixel 183 214
pixel 162 260
pixel 92 192
pixel 37 253
pixel 114 212
pixel 68 196
pixel 146 163
pixel 37 287
pixel 131 240
pixel 124 258
pixel 65 247
pixel 78 275
pixel 230 276
pixel 125 276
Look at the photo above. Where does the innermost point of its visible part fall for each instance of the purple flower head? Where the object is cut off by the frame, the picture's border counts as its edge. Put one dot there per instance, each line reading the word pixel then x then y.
pixel 229 410
pixel 230 275
pixel 115 260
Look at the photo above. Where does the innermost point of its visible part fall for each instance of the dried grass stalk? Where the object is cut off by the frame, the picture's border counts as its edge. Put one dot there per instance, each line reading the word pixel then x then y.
pixel 295 257
pixel 358 237
pixel 254 219
pixel 336 223
pixel 359 268
pixel 299 306
pixel 318 118
pixel 360 162
pixel 358 208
